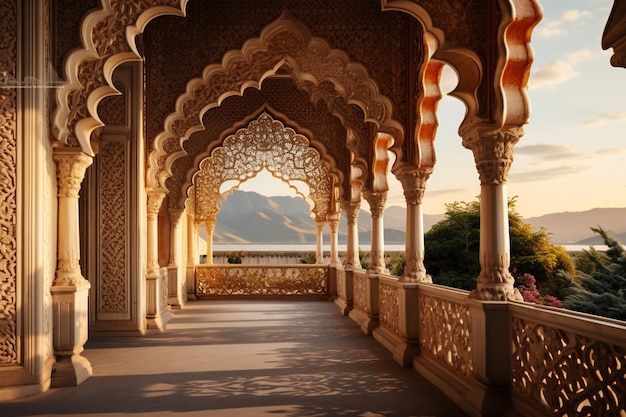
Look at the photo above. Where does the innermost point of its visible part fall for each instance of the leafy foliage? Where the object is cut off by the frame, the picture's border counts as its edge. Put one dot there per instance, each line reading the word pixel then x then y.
pixel 309 258
pixel 602 287
pixel 396 264
pixel 452 249
pixel 234 257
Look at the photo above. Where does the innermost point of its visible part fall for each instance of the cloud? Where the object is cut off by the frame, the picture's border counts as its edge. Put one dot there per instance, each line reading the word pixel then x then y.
pixel 558 27
pixel 578 56
pixel 438 193
pixel 550 152
pixel 612 117
pixel 547 174
pixel 556 72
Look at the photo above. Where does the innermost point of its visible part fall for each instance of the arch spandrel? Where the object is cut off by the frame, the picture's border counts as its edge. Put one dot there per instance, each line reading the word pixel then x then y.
pixel 265 144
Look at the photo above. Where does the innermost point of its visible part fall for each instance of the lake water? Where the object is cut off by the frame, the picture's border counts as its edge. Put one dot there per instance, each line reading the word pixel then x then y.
pixel 271 247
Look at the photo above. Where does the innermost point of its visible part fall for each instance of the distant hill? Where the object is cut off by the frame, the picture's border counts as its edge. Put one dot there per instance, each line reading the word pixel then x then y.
pixel 573 228
pixel 249 217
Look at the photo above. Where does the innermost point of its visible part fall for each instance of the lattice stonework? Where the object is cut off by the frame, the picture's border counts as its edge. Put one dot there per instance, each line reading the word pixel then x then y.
pixel 341 283
pixel 445 333
pixel 389 308
pixel 264 144
pixel 261 280
pixel 569 374
pixel 8 189
pixel 112 290
pixel 360 291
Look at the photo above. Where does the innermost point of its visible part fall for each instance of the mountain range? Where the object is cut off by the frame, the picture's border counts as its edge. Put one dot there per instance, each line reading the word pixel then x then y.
pixel 249 217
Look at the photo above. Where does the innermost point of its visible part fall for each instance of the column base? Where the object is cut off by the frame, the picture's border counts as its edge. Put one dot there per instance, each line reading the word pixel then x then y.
pixel 70 371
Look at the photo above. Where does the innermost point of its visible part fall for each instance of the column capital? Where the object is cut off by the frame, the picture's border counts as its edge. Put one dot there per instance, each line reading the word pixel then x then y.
pixel 377 202
pixel 155 199
pixel 71 166
pixel 413 182
pixel 493 152
pixel 352 209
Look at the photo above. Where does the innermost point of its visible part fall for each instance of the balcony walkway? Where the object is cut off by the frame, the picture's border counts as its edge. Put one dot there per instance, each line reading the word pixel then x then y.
pixel 244 358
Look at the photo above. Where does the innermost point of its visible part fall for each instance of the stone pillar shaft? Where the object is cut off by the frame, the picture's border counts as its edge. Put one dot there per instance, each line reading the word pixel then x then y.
pixel 210 229
pixel 414 184
pixel 352 247
pixel 319 242
pixel 154 321
pixel 334 239
pixel 377 251
pixel 493 154
pixel 70 290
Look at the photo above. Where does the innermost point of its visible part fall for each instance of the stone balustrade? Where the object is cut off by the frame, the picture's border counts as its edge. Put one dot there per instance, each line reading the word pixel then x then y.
pixel 489 357
pixel 264 280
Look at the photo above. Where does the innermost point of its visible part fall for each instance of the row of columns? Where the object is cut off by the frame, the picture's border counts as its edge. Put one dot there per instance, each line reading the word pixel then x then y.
pixel 493 155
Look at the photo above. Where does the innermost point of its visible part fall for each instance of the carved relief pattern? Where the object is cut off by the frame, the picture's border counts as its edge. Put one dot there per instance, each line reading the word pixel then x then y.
pixel 261 280
pixel 341 283
pixel 493 153
pixel 112 295
pixel 312 57
pixel 568 373
pixel 414 184
pixel 71 172
pixel 8 188
pixel 389 308
pixel 445 333
pixel 359 283
pixel 112 109
pixel 266 143
pixel 107 38
pixel 280 95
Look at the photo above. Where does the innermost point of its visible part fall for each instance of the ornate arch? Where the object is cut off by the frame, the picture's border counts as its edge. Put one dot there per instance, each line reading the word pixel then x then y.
pixel 108 37
pixel 325 157
pixel 515 56
pixel 265 144
pixel 286 43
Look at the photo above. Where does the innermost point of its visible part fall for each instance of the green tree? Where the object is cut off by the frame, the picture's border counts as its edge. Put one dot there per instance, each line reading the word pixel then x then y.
pixel 396 263
pixel 452 250
pixel 452 245
pixel 602 291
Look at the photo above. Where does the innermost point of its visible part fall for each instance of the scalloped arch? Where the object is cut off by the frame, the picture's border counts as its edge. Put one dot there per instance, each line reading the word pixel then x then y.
pixel 264 144
pixel 325 157
pixel 108 37
pixel 515 58
pixel 284 43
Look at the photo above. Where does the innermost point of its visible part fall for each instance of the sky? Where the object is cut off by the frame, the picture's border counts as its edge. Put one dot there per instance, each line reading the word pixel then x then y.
pixel 573 153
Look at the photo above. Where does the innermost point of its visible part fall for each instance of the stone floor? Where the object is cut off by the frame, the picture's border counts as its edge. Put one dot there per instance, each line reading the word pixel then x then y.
pixel 244 358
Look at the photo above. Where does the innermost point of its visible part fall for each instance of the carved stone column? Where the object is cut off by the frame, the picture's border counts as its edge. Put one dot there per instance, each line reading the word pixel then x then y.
pixel 319 242
pixel 493 153
pixel 154 321
pixel 210 229
pixel 70 290
pixel 174 281
pixel 352 247
pixel 377 252
pixel 333 222
pixel 192 256
pixel 414 184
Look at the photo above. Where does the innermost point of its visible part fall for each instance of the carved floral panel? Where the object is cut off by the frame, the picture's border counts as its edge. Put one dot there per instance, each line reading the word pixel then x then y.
pixel 261 280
